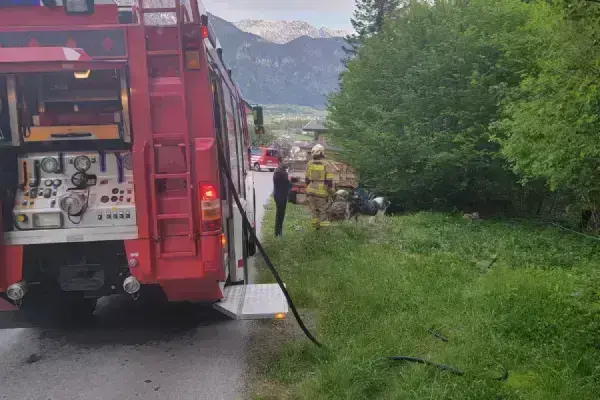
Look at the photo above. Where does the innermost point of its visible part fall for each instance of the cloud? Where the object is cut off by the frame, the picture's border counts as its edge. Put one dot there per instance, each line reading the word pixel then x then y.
pixel 284 5
pixel 318 12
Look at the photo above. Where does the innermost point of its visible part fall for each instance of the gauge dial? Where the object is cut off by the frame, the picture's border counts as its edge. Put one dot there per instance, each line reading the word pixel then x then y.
pixel 79 179
pixel 48 182
pixel 82 163
pixel 49 165
pixel 72 203
pixel 128 162
pixel 57 182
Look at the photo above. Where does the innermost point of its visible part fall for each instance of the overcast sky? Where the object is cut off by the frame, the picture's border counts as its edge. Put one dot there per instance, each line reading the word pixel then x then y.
pixel 329 13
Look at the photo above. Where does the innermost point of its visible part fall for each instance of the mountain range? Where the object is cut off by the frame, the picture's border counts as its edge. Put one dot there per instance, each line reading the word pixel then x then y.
pixel 289 65
pixel 285 31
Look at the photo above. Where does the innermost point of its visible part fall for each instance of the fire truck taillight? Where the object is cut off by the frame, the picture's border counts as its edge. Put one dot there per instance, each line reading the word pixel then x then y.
pixel 204 32
pixel 210 207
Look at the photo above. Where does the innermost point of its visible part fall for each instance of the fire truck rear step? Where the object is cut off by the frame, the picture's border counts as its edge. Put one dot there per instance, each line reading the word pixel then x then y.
pixel 255 301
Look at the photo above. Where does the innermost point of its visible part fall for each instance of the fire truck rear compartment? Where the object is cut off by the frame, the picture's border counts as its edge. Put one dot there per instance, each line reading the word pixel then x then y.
pixel 94 269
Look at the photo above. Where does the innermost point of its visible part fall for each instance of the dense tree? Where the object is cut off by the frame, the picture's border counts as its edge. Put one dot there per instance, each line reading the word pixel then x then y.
pixel 551 120
pixel 414 109
pixel 264 140
pixel 475 103
pixel 367 20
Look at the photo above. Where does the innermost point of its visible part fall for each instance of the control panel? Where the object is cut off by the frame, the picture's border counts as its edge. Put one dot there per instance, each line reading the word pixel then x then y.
pixel 75 190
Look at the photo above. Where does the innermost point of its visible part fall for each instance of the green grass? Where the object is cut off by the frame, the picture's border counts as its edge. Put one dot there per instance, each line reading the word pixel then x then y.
pixel 375 290
pixel 303 138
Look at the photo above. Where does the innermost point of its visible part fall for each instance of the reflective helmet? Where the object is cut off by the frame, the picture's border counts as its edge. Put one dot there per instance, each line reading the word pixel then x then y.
pixel 318 150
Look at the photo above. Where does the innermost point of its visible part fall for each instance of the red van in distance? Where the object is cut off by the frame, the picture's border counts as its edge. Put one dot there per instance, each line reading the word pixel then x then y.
pixel 264 158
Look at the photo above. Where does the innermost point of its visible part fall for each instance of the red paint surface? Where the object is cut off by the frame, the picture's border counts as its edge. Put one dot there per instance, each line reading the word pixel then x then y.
pixel 104 14
pixel 6 306
pixel 11 259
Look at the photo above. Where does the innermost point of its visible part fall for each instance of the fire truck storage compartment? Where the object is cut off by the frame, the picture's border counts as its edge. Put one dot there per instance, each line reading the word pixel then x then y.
pixel 72 152
pixel 72 106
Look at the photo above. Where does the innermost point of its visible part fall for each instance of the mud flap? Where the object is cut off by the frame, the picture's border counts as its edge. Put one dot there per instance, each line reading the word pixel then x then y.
pixel 256 301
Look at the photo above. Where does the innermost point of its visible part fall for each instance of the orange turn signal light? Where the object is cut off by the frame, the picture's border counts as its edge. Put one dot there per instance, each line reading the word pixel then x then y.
pixel 192 59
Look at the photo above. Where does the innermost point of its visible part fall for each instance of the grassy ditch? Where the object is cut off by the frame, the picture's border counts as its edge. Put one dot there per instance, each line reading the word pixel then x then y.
pixel 506 295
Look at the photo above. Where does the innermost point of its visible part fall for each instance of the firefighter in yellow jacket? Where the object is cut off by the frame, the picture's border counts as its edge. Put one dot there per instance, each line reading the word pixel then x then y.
pixel 319 184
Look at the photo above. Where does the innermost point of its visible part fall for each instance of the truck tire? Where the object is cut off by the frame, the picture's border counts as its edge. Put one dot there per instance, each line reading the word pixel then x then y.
pixel 257 167
pixel 271 169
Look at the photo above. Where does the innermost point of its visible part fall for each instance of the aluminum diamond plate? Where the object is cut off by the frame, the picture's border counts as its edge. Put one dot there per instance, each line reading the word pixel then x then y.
pixel 257 301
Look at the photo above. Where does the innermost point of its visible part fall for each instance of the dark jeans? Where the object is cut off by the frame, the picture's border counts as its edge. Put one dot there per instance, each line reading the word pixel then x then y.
pixel 279 217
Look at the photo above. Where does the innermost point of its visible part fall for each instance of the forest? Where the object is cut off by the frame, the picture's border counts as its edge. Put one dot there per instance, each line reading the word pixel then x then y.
pixel 474 105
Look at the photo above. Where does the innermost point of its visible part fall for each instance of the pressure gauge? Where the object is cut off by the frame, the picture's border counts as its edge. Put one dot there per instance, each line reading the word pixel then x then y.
pixel 82 163
pixel 73 203
pixel 128 162
pixel 49 165
pixel 48 182
pixel 79 179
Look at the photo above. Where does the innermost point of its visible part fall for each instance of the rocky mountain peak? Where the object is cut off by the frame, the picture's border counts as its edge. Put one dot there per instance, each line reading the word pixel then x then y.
pixel 282 32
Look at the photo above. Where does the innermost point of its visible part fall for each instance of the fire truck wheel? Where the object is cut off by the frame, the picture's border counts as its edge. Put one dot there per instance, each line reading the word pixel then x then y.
pixel 271 169
pixel 257 167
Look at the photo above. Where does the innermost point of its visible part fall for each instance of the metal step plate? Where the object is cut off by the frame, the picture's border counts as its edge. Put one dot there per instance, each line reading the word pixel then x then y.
pixel 256 301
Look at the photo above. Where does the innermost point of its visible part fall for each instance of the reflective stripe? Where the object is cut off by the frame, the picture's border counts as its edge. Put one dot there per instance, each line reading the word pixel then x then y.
pixel 318 189
pixel 317 172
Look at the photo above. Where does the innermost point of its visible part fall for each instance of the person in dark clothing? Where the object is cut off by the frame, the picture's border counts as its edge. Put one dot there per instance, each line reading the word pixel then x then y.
pixel 281 191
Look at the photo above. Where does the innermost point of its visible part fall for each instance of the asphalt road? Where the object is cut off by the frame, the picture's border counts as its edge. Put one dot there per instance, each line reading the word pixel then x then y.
pixel 133 352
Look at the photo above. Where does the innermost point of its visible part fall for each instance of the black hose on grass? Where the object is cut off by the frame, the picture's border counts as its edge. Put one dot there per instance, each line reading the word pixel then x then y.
pixel 491 264
pixel 270 265
pixel 442 367
pixel 418 360
pixel 574 231
pixel 288 298
pixel 437 335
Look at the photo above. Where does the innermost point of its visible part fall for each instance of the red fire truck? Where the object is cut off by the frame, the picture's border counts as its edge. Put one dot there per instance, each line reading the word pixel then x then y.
pixel 264 158
pixel 111 123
